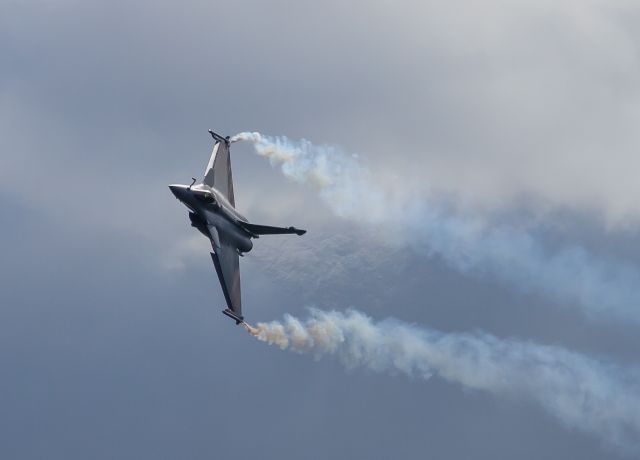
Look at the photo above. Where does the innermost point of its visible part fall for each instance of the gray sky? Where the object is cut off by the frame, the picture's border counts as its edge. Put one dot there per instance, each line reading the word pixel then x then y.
pixel 517 114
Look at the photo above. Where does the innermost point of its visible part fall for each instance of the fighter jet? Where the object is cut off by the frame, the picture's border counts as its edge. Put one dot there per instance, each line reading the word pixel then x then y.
pixel 212 212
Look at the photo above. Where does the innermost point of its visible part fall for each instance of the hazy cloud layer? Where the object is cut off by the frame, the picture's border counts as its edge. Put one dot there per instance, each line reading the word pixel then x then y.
pixel 495 101
pixel 521 113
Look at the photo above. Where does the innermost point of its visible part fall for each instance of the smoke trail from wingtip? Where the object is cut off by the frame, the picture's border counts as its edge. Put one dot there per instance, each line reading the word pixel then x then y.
pixel 342 182
pixel 583 393
pixel 570 275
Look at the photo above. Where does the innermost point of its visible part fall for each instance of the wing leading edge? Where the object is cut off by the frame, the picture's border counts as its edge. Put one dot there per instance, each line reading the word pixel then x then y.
pixel 218 171
pixel 227 263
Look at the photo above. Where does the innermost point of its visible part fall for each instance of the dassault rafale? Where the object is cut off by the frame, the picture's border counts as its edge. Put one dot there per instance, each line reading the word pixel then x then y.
pixel 212 212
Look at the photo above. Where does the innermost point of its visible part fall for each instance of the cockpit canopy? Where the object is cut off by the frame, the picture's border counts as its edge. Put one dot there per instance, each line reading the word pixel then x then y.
pixel 205 196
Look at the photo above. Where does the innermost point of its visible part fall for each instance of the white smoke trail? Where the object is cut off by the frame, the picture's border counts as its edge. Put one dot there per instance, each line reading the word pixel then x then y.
pixel 592 396
pixel 570 275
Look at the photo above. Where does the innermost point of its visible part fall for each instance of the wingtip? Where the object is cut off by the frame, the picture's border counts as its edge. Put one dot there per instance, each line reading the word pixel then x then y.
pixel 218 138
pixel 233 316
pixel 297 231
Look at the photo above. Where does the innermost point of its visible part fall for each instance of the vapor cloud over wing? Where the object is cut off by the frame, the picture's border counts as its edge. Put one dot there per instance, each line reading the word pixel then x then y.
pixel 570 274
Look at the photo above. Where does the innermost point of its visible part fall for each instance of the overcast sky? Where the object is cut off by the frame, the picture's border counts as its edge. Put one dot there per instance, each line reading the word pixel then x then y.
pixel 518 116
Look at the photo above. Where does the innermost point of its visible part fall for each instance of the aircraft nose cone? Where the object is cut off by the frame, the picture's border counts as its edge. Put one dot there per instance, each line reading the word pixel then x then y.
pixel 177 190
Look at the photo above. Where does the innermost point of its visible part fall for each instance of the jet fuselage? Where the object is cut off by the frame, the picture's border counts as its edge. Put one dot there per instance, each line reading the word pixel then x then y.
pixel 212 212
pixel 209 208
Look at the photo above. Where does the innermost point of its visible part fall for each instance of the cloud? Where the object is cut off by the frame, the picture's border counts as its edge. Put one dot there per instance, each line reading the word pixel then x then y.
pixel 104 104
pixel 537 100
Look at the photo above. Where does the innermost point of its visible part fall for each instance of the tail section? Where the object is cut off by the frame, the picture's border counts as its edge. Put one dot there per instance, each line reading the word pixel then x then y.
pixel 257 230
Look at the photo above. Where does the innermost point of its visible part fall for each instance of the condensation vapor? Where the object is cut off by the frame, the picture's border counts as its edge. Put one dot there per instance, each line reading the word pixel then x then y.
pixel 570 275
